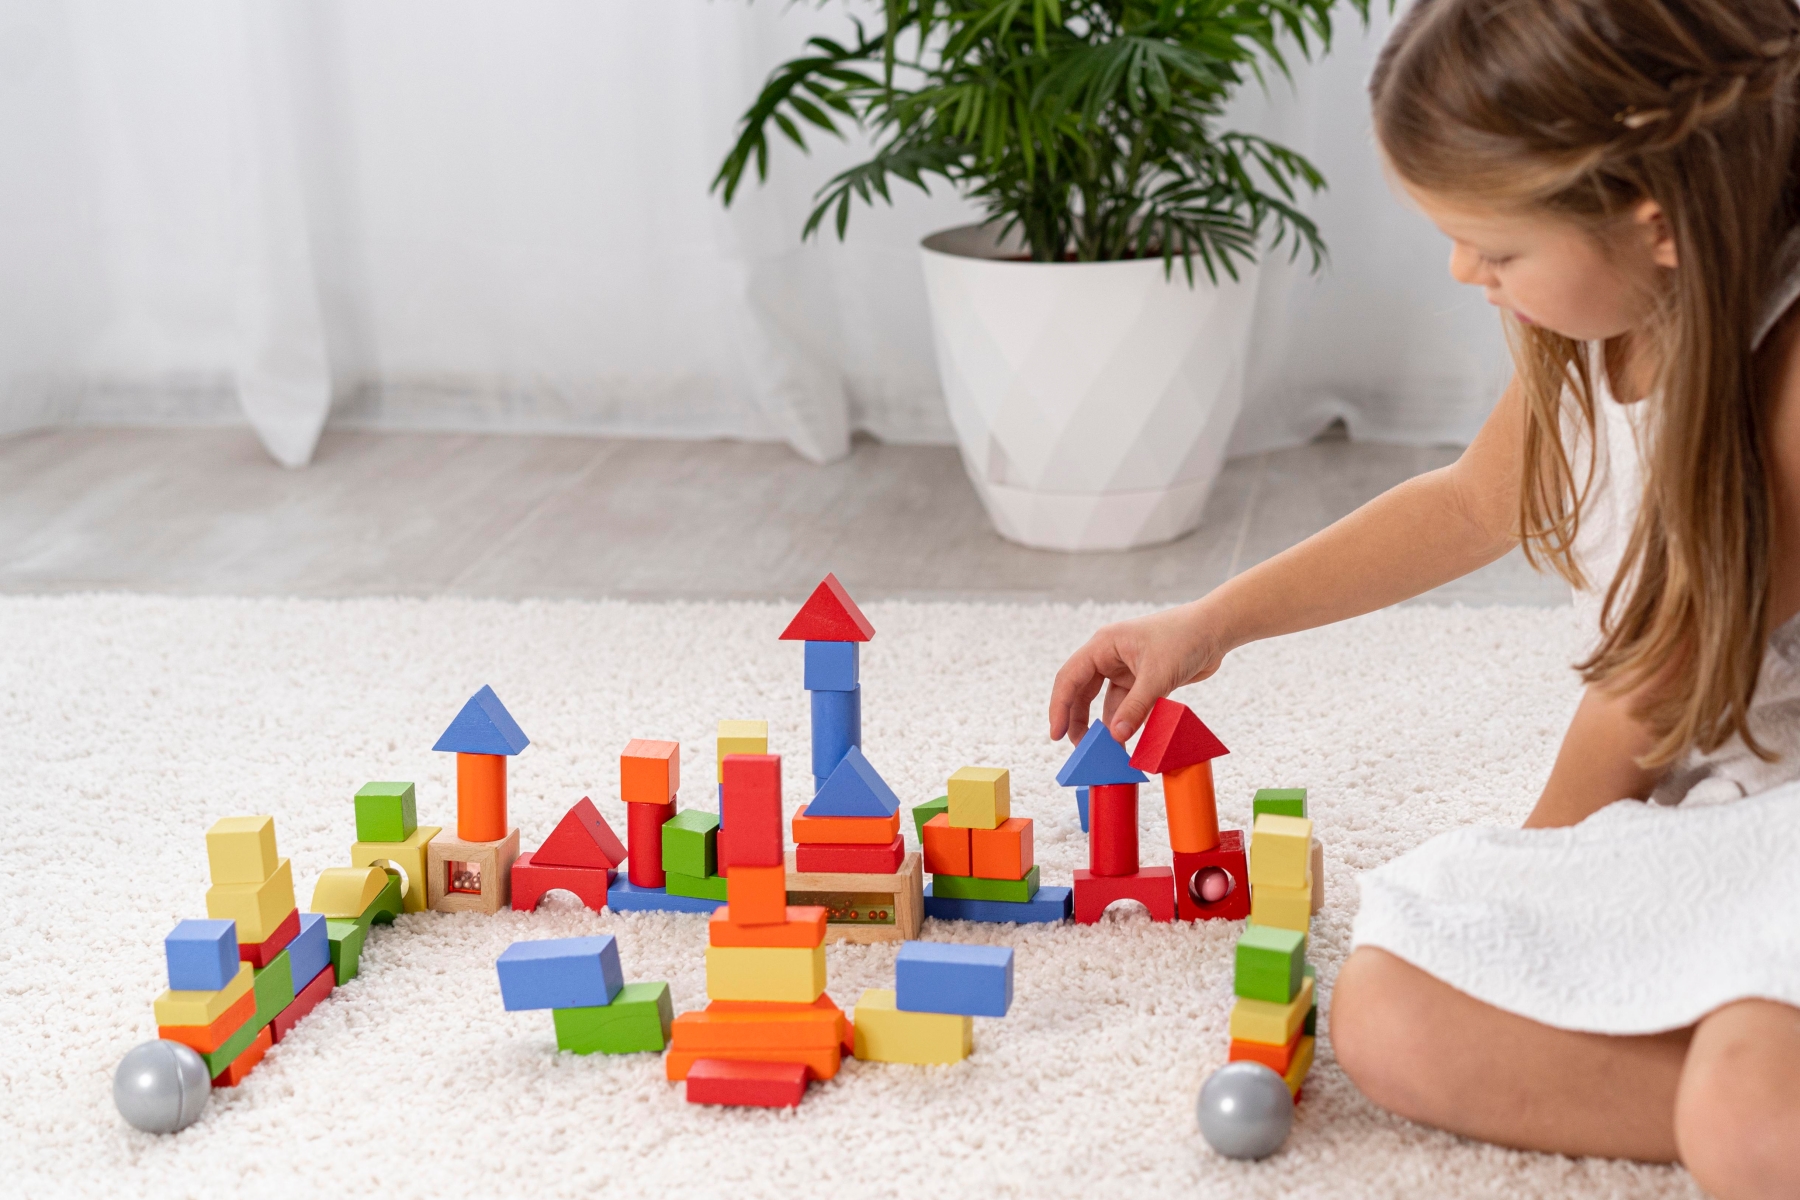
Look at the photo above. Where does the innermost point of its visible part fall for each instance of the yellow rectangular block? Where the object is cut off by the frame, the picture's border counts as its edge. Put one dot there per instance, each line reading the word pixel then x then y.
pixel 1280 848
pixel 741 737
pixel 203 1008
pixel 241 849
pixel 791 973
pixel 258 908
pixel 1270 1023
pixel 980 797
pixel 885 1034
pixel 1296 1072
pixel 1282 907
pixel 410 858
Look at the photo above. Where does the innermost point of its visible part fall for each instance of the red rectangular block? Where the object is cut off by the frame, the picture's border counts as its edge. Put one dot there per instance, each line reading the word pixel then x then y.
pixel 746 1084
pixel 1113 829
pixel 531 879
pixel 241 1066
pixel 1153 887
pixel 261 954
pixel 304 1002
pixel 822 1062
pixel 850 859
pixel 1003 852
pixel 750 812
pixel 948 850
pixel 1227 867
pixel 207 1038
pixel 644 828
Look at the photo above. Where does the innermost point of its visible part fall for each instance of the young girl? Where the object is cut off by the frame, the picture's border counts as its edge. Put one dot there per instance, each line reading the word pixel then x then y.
pixel 1621 178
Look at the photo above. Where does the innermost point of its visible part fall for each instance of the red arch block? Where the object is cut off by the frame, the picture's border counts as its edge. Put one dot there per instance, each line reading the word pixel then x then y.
pixel 530 881
pixel 1153 887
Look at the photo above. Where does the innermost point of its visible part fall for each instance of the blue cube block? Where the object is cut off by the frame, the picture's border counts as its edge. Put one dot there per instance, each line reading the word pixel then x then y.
pixel 836 726
pixel 310 951
pixel 943 977
pixel 203 955
pixel 581 972
pixel 831 666
pixel 1081 803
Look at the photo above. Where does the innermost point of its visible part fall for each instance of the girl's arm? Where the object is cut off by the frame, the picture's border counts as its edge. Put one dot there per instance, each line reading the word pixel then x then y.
pixel 1597 763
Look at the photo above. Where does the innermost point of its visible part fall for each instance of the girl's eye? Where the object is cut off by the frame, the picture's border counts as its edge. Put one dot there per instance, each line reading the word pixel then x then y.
pixel 1500 261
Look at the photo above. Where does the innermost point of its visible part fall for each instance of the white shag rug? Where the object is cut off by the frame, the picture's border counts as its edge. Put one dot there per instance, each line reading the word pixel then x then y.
pixel 129 724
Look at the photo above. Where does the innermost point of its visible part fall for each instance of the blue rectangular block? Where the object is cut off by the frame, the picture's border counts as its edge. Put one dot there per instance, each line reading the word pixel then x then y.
pixel 581 972
pixel 203 955
pixel 831 666
pixel 310 951
pixel 1049 905
pixel 1081 803
pixel 625 896
pixel 944 977
pixel 836 726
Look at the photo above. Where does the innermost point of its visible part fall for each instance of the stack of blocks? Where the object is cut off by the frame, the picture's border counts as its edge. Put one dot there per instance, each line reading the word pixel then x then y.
pixel 1275 1016
pixel 1113 872
pixel 580 856
pixel 675 857
pixel 1211 872
pixel 832 626
pixel 388 833
pixel 938 989
pixel 980 856
pixel 583 985
pixel 473 870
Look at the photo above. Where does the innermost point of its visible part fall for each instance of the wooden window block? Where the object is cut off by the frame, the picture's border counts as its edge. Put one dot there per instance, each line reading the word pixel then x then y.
pixel 258 908
pixel 795 974
pixel 757 895
pixel 741 737
pixel 409 857
pixel 241 850
pixel 1226 867
pixel 886 1034
pixel 845 831
pixel 1003 852
pixel 1271 1024
pixel 864 908
pixel 980 797
pixel 948 848
pixel 470 876
pixel 1280 849
pixel 347 892
pixel 803 926
pixel 1282 907
pixel 649 771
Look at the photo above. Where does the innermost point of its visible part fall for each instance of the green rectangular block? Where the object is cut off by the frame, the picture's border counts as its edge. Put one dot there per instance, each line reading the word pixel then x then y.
pixel 1270 963
pixel 274 987
pixel 1283 802
pixel 385 907
pixel 385 812
pixel 700 887
pixel 346 938
pixel 233 1046
pixel 924 812
pixel 690 843
pixel 968 887
pixel 1311 1027
pixel 638 1019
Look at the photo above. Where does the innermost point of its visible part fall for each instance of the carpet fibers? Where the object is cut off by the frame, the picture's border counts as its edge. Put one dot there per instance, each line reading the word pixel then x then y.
pixel 132 723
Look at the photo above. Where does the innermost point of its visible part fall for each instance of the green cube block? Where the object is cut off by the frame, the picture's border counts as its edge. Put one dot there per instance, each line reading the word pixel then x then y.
pixel 1311 1028
pixel 385 812
pixel 701 887
pixel 274 988
pixel 1283 802
pixel 1270 963
pixel 346 938
pixel 969 887
pixel 690 843
pixel 231 1047
pixel 385 907
pixel 924 812
pixel 638 1019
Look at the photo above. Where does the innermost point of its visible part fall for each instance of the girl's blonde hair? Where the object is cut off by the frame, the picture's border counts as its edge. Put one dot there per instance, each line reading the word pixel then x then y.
pixel 1585 108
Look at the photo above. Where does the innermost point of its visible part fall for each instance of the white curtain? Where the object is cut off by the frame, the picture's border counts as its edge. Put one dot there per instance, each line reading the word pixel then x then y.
pixel 469 214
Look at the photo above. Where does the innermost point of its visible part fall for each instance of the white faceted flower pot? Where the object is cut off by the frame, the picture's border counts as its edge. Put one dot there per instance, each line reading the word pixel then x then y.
pixel 1092 401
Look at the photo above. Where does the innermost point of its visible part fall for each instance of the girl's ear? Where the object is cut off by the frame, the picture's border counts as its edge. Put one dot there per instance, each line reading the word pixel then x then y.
pixel 1653 226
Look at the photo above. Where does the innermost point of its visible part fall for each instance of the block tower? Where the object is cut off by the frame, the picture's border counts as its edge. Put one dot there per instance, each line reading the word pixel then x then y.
pixel 1211 880
pixel 583 985
pixel 833 628
pixel 675 856
pixel 388 833
pixel 1113 872
pixel 579 856
pixel 981 857
pixel 472 871
pixel 1275 1016
pixel 926 1016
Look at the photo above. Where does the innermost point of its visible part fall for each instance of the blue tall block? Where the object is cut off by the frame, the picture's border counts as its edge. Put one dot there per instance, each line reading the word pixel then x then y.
pixel 836 726
pixel 581 972
pixel 1081 803
pixel 831 666
pixel 310 951
pixel 203 955
pixel 944 977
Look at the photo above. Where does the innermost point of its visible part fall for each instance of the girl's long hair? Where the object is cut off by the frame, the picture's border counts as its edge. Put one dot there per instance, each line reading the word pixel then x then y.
pixel 1583 109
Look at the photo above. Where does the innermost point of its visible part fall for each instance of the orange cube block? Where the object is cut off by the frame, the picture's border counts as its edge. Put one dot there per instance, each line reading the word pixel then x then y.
pixel 757 896
pixel 649 772
pixel 846 831
pixel 1277 1058
pixel 1003 852
pixel 240 1066
pixel 1193 810
pixel 947 847
pixel 804 926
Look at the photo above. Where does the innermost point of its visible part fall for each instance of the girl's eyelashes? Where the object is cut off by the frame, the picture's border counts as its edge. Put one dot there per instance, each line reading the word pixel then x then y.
pixel 1494 260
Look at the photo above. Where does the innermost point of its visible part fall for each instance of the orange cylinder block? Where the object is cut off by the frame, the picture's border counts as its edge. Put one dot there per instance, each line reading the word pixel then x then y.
pixel 481 797
pixel 1193 809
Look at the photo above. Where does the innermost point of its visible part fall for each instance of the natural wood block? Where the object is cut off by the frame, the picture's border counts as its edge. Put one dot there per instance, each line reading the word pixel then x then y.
pixel 347 892
pixel 980 797
pixel 481 797
pixel 885 1034
pixel 203 1008
pixel 949 849
pixel 258 908
pixel 1282 907
pixel 1318 876
pixel 1003 852
pixel 470 876
pixel 741 737
pixel 649 771
pixel 409 857
pixel 1280 849
pixel 793 973
pixel 1192 808
pixel 241 850
pixel 802 926
pixel 756 895
pixel 1271 1024
pixel 864 908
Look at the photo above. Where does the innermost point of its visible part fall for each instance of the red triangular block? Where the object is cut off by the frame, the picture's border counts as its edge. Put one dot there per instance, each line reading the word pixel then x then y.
pixel 581 839
pixel 1174 738
pixel 829 615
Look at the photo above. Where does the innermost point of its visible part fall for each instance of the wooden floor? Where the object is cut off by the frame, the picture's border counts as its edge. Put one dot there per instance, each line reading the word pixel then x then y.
pixel 206 511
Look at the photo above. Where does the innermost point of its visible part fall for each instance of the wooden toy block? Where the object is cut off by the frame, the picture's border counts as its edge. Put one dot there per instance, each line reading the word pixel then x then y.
pixel 1317 868
pixel 980 797
pixel 1003 852
pixel 241 850
pixel 802 927
pixel 625 896
pixel 644 827
pixel 305 1000
pixel 864 908
pixel 480 797
pixel 1153 887
pixel 411 857
pixel 1099 759
pixel 258 908
pixel 346 892
pixel 851 858
pixel 969 887
pixel 483 726
pixel 750 812
pixel 1277 1058
pixel 724 1032
pixel 757 895
pixel 530 880
pixel 831 667
pixel 836 726
pixel 765 973
pixel 346 939
pixel 578 972
pixel 465 876
pixel 386 812
pixel 1281 907
pixel 844 831
pixel 690 843
pixel 1051 904
pixel 855 789
pixel 829 615
pixel 241 1066
pixel 703 887
pixel 207 1038
pixel 310 951
pixel 581 839
pixel 637 1020
pixel 273 987
pixel 922 814
pixel 1283 802
pixel 233 1047
pixel 649 771
pixel 1113 829
pixel 949 849
pixel 1295 1075
pixel 823 1063
pixel 741 737
pixel 1271 1024
pixel 1192 807
pixel 1280 849
pixel 202 955
pixel 1270 963
pixel 1174 739
pixel 746 1084
pixel 1224 867
pixel 884 1033
pixel 1081 807
pixel 943 977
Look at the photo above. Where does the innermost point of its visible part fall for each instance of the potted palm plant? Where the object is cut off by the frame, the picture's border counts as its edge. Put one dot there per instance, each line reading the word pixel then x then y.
pixel 1093 373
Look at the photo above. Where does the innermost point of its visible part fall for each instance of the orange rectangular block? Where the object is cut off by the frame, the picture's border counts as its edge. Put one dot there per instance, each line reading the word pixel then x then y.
pixel 846 831
pixel 947 847
pixel 1277 1058
pixel 823 1063
pixel 823 1002
pixel 1192 807
pixel 240 1066
pixel 802 1027
pixel 481 797
pixel 649 772
pixel 207 1038
pixel 756 896
pixel 804 926
pixel 1003 852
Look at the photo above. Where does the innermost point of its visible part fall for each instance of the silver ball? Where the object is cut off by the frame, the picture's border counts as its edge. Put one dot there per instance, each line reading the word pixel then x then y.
pixel 1245 1110
pixel 161 1086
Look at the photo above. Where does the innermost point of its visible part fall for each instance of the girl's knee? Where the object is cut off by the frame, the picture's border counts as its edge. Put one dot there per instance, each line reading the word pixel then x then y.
pixel 1737 1121
pixel 1370 1037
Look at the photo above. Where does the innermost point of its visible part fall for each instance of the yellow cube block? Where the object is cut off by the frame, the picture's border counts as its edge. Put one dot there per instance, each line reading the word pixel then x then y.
pixel 741 737
pixel 1280 849
pixel 980 798
pixel 410 858
pixel 203 1008
pixel 885 1034
pixel 1296 1072
pixel 241 849
pixel 791 973
pixel 1270 1023
pixel 1282 907
pixel 258 908
pixel 346 892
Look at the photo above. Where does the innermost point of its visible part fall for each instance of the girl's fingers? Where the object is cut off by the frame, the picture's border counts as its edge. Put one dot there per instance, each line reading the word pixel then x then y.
pixel 1129 711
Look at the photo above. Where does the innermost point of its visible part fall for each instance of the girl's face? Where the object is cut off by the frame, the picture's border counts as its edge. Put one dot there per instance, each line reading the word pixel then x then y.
pixel 1551 271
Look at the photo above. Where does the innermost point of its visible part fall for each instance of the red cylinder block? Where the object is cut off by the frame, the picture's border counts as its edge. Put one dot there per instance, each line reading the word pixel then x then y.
pixel 1113 829
pixel 645 834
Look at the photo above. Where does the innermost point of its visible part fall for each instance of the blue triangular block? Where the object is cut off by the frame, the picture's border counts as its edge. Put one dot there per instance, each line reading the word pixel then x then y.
pixel 483 727
pixel 854 790
pixel 1099 761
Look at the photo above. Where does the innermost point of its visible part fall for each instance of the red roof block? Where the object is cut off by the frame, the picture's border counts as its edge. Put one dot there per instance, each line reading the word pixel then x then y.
pixel 1174 738
pixel 829 615
pixel 581 839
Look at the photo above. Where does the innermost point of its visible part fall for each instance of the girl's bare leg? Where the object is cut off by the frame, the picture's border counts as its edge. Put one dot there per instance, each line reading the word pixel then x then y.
pixel 1737 1112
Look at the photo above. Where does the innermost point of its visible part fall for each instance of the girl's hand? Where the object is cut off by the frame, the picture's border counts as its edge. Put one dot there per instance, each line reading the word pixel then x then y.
pixel 1141 660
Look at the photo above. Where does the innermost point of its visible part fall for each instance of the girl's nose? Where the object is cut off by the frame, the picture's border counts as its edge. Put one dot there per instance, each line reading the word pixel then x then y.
pixel 1466 267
